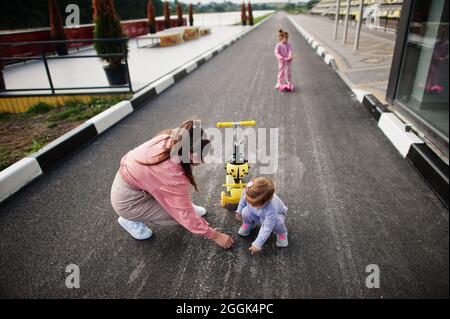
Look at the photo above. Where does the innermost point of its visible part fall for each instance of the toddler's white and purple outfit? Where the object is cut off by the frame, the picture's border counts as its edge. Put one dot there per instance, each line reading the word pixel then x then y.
pixel 271 217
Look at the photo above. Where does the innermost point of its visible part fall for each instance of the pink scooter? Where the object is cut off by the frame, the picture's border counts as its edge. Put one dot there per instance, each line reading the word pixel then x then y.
pixel 286 88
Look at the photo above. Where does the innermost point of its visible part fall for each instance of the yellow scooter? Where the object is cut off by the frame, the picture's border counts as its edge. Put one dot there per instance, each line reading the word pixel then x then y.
pixel 237 168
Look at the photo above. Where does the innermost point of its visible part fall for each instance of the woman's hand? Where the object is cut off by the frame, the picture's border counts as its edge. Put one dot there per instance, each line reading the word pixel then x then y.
pixel 254 250
pixel 223 240
pixel 238 216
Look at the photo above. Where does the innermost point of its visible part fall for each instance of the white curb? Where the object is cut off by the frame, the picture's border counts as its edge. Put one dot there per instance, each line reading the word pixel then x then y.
pixel 395 131
pixel 163 83
pixel 328 58
pixel 360 94
pixel 207 56
pixel 320 50
pixel 18 175
pixel 111 116
pixel 191 67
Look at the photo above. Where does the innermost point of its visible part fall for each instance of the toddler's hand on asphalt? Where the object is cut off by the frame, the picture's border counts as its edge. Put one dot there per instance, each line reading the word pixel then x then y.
pixel 238 216
pixel 254 250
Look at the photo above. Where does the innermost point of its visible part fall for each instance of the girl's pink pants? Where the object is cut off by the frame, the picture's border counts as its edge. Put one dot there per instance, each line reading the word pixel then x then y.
pixel 284 71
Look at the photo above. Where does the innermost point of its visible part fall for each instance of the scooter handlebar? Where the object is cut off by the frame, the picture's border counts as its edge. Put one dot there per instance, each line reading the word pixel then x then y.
pixel 232 124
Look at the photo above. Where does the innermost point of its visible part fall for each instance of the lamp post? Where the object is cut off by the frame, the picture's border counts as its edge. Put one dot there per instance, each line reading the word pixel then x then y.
pixel 358 26
pixel 336 19
pixel 347 13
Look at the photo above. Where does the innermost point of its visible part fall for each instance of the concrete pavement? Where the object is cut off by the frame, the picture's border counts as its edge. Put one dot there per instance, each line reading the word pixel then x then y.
pixel 366 69
pixel 353 200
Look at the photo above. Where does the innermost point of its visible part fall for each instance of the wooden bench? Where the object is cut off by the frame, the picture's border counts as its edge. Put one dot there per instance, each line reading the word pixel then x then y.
pixel 165 38
pixel 172 36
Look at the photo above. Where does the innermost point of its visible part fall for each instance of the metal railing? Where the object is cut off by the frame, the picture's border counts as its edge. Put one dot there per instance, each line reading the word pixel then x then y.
pixel 45 57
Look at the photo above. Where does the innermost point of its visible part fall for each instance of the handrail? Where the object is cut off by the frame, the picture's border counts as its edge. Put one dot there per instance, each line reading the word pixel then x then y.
pixel 43 56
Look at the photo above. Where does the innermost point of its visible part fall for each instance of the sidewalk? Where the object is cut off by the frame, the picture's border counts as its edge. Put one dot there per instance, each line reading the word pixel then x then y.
pixel 366 69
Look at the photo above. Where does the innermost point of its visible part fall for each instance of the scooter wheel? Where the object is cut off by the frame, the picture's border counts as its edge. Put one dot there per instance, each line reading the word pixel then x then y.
pixel 222 200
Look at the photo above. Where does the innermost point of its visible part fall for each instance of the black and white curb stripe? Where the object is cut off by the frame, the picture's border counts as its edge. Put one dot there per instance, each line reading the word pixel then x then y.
pixel 24 171
pixel 430 166
pixel 320 50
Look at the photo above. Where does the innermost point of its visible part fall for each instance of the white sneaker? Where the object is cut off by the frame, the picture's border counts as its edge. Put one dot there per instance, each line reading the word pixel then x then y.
pixel 200 211
pixel 136 229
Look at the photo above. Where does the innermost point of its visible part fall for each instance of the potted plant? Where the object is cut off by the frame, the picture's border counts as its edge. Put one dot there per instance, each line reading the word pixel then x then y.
pixel 107 26
pixel 57 32
pixel 250 14
pixel 191 15
pixel 166 15
pixel 151 17
pixel 243 15
pixel 180 21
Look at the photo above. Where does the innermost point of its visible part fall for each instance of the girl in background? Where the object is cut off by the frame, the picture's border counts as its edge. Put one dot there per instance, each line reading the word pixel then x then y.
pixel 283 53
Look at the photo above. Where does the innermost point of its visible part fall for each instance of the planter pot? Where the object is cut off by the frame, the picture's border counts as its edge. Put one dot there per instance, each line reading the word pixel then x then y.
pixel 116 74
pixel 61 49
pixel 2 81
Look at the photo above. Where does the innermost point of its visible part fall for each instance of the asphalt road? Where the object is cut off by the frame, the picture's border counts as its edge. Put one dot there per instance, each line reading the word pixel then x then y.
pixel 353 200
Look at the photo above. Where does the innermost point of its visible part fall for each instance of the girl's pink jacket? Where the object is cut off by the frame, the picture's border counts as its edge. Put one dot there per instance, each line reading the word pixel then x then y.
pixel 165 181
pixel 283 52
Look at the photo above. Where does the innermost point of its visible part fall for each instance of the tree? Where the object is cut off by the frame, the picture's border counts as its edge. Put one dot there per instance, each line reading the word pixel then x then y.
pixel 57 32
pixel 250 14
pixel 166 15
pixel 180 21
pixel 191 15
pixel 107 26
pixel 243 15
pixel 151 17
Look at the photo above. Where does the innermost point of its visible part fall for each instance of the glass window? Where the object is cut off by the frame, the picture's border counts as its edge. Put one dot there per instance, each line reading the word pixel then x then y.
pixel 423 81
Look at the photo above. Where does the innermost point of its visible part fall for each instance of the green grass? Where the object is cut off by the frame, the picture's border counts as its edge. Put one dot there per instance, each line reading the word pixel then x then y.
pixel 74 111
pixel 40 108
pixel 5 116
pixel 256 20
pixel 70 112
pixel 259 19
pixel 38 143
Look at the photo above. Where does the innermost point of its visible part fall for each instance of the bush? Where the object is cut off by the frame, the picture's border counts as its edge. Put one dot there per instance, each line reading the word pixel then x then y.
pixel 57 32
pixel 191 15
pixel 180 21
pixel 243 15
pixel 107 26
pixel 151 17
pixel 166 15
pixel 250 14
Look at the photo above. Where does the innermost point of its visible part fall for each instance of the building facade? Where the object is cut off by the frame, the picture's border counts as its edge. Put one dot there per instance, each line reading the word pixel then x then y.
pixel 418 85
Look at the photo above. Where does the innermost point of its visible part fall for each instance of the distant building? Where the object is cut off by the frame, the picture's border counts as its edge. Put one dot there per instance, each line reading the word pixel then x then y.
pixel 384 14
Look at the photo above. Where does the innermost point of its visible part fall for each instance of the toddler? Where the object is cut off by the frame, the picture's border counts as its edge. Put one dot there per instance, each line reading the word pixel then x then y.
pixel 259 205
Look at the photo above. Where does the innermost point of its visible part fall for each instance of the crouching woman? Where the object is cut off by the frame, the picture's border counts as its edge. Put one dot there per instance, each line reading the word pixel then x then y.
pixel 152 185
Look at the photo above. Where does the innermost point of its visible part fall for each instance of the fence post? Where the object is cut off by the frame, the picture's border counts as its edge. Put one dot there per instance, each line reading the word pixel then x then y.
pixel 125 55
pixel 49 77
